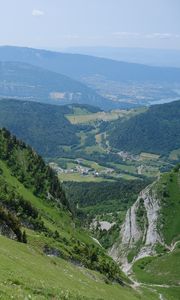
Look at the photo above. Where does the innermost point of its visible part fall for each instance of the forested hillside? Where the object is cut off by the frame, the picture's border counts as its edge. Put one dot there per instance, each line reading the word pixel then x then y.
pixel 29 168
pixel 103 197
pixel 156 130
pixel 42 126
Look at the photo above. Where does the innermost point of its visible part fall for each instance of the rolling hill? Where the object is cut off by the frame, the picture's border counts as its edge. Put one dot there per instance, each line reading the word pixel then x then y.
pixel 156 130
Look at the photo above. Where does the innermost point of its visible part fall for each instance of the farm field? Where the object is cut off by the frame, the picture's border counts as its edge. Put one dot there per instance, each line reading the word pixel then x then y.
pixel 99 116
pixel 81 178
pixel 148 156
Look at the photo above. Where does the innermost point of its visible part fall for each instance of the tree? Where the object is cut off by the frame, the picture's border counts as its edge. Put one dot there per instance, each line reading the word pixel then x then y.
pixel 24 237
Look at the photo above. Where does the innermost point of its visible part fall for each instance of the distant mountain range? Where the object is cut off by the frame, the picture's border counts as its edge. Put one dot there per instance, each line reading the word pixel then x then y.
pixel 78 66
pixel 28 82
pixel 105 83
pixel 146 56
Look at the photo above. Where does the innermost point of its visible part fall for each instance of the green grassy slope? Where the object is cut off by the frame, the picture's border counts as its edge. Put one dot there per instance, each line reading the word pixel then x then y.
pixel 161 273
pixel 159 270
pixel 27 274
pixel 169 193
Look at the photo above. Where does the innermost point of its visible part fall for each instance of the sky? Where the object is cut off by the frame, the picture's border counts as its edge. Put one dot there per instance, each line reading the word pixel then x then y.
pixel 60 24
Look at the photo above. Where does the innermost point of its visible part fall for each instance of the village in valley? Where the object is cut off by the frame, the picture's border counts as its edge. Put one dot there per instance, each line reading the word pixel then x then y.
pixel 78 167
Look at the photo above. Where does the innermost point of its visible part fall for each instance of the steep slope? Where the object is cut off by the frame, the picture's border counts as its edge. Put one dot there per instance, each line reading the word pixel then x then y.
pixel 44 254
pixel 35 211
pixel 156 130
pixel 151 226
pixel 51 260
pixel 27 274
pixel 28 82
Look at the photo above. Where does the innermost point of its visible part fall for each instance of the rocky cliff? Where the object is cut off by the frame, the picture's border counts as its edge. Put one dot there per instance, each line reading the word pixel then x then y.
pixel 142 232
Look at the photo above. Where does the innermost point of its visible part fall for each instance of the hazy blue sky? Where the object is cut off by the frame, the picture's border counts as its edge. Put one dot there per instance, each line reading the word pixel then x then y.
pixel 64 23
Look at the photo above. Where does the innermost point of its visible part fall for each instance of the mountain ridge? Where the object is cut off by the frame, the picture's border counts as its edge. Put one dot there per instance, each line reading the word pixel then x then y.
pixel 24 81
pixel 69 64
pixel 112 84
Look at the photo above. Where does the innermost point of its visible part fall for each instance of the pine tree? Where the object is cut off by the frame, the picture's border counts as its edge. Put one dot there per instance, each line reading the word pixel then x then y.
pixel 24 237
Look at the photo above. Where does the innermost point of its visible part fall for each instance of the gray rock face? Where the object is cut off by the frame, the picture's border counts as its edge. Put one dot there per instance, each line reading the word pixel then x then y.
pixel 152 207
pixel 130 232
pixel 135 235
pixel 7 231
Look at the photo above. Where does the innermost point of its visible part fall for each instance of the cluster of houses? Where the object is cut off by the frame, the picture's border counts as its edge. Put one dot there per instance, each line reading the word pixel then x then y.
pixel 81 169
pixel 128 156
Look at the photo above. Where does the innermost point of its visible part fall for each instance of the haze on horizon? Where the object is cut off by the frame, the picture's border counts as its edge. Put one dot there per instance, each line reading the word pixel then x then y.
pixel 75 23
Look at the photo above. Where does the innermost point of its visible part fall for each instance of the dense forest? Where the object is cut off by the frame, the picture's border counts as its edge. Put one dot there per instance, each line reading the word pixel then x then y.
pixel 42 126
pixel 157 130
pixel 106 201
pixel 103 197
